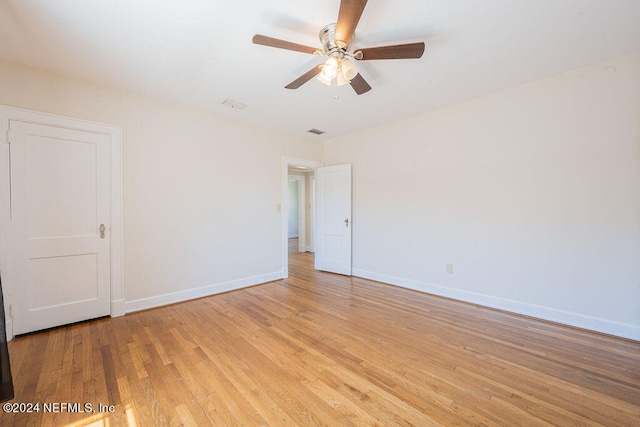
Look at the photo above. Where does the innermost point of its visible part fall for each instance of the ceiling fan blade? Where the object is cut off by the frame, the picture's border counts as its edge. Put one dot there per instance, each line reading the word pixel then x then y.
pixel 360 85
pixel 348 17
pixel 305 77
pixel 399 51
pixel 282 44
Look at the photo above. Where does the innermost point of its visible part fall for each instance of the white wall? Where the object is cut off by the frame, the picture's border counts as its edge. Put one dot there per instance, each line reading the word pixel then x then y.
pixel 292 205
pixel 532 193
pixel 193 224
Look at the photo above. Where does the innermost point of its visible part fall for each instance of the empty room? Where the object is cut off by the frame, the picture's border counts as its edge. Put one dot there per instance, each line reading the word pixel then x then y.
pixel 338 212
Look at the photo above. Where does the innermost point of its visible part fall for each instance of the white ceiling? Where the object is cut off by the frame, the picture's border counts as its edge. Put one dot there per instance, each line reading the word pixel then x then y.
pixel 199 52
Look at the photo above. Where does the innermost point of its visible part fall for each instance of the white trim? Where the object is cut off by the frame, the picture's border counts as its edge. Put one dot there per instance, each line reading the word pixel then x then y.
pixel 8 326
pixel 623 330
pixel 286 162
pixel 117 226
pixel 118 308
pixel 204 291
pixel 312 214
pixel 8 113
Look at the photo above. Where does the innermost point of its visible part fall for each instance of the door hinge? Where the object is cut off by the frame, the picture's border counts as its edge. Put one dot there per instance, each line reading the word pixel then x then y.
pixel 11 311
pixel 8 136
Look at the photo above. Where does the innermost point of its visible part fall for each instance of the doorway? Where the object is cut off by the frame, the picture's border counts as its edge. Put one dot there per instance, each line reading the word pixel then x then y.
pixel 301 194
pixel 60 203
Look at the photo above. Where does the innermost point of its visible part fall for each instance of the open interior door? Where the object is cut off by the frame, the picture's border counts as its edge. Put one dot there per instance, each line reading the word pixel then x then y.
pixel 333 219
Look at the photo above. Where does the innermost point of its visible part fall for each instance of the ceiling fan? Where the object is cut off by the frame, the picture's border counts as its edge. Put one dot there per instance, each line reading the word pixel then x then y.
pixel 336 44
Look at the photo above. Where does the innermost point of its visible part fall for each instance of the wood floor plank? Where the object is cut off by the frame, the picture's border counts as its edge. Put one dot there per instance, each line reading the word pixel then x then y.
pixel 325 349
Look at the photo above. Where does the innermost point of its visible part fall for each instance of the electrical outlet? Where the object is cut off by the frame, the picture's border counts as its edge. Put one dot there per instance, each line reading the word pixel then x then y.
pixel 450 268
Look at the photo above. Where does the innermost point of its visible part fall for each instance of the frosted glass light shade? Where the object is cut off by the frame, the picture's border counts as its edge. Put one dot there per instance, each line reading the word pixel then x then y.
pixel 340 80
pixel 330 68
pixel 324 79
pixel 348 69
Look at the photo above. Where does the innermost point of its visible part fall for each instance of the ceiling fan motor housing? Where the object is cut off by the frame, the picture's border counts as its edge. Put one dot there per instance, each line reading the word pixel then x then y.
pixel 328 40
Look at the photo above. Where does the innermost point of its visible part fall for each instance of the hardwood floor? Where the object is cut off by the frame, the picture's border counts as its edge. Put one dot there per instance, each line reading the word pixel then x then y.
pixel 323 349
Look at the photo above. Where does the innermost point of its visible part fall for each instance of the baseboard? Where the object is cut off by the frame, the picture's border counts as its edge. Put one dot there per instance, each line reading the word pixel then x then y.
pixel 623 330
pixel 189 294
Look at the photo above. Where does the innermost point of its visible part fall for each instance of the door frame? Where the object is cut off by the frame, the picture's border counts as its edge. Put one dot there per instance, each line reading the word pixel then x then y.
pixel 286 162
pixel 8 113
pixel 312 213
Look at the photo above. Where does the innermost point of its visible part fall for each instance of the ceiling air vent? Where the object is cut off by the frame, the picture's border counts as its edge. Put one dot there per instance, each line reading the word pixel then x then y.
pixel 233 104
pixel 316 131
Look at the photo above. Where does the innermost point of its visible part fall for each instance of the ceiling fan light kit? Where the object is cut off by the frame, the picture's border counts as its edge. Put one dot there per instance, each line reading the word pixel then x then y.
pixel 337 66
pixel 336 40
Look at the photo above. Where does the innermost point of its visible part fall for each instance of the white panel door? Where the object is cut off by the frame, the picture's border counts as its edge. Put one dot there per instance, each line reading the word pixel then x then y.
pixel 59 200
pixel 333 219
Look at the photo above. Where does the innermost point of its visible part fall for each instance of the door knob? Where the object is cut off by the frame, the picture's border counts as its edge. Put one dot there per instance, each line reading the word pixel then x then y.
pixel 346 222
